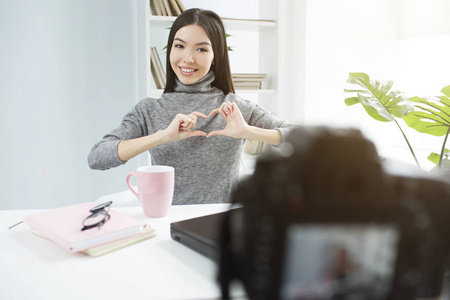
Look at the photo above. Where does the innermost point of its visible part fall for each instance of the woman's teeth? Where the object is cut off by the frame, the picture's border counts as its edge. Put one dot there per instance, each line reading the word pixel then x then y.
pixel 187 70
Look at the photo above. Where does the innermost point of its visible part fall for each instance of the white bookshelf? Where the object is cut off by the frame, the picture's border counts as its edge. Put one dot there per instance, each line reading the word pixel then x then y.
pixel 267 36
pixel 276 47
pixel 254 41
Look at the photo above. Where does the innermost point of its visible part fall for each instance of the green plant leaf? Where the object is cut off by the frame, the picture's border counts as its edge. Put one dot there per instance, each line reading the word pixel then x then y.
pixel 430 116
pixel 443 169
pixel 378 98
pixel 435 157
pixel 446 91
pixel 380 101
pixel 351 101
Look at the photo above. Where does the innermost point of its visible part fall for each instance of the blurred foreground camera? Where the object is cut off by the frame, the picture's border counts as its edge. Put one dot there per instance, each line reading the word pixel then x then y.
pixel 323 218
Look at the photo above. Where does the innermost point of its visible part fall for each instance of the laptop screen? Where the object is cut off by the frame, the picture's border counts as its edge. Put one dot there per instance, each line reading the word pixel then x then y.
pixel 201 234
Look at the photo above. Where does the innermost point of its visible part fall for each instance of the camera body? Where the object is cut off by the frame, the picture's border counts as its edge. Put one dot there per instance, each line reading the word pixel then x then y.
pixel 322 218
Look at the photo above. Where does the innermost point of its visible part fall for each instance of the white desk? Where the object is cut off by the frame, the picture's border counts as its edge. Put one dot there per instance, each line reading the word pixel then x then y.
pixel 159 268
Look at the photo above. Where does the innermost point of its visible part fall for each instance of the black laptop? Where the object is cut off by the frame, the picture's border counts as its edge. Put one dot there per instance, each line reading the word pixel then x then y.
pixel 200 234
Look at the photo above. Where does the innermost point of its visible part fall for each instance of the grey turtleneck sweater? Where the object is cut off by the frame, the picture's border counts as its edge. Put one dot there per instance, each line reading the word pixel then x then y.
pixel 206 169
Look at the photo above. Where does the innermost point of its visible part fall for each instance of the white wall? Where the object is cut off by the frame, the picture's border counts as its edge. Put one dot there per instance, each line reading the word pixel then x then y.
pixel 345 36
pixel 387 39
pixel 70 70
pixel 423 18
pixel 68 74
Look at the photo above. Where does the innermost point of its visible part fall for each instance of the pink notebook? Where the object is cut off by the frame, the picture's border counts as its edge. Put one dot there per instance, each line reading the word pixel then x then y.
pixel 63 226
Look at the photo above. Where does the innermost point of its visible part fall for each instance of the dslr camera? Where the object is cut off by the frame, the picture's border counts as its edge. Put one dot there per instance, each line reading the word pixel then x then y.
pixel 323 217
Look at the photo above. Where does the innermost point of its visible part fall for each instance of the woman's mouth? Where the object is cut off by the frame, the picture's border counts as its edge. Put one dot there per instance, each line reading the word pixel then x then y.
pixel 187 71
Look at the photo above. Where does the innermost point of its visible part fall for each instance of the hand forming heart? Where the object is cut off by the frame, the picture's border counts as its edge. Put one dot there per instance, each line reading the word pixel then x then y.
pixel 236 125
pixel 181 125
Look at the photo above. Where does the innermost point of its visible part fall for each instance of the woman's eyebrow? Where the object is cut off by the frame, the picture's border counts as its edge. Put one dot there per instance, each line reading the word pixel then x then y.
pixel 204 43
pixel 198 44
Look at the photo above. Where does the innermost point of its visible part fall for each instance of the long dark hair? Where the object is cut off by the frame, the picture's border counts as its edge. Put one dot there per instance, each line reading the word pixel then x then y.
pixel 213 26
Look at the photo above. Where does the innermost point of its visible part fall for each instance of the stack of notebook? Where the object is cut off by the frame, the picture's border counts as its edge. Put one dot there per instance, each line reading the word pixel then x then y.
pixel 63 227
pixel 248 81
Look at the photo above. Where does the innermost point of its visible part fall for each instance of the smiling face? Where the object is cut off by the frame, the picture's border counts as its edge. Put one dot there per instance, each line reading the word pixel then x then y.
pixel 191 55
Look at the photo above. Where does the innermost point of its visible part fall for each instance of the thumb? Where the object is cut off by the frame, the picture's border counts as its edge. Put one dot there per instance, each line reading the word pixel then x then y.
pixel 217 132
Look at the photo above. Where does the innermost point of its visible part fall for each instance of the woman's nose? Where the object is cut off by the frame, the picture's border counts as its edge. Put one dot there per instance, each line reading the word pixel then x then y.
pixel 189 57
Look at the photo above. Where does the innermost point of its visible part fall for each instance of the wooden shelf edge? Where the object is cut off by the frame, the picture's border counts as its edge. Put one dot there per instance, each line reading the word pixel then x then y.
pixel 226 21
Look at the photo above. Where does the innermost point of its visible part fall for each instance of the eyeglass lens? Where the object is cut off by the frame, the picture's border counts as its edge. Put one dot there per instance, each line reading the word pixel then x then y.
pixel 96 218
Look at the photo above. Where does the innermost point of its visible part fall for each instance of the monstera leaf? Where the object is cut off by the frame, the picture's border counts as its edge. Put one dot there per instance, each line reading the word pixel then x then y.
pixel 434 157
pixel 380 101
pixel 442 167
pixel 378 98
pixel 432 117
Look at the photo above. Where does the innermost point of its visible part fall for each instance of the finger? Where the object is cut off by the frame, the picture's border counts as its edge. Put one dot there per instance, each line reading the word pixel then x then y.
pixel 192 123
pixel 199 114
pixel 196 133
pixel 227 108
pixel 183 118
pixel 213 112
pixel 185 122
pixel 187 127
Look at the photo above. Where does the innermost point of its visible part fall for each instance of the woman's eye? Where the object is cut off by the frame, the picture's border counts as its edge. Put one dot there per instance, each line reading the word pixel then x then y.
pixel 178 46
pixel 202 50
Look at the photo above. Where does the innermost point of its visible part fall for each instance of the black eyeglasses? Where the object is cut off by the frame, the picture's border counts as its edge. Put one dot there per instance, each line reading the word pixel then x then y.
pixel 99 215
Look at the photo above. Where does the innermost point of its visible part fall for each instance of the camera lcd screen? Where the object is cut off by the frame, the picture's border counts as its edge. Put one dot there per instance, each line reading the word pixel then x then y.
pixel 339 261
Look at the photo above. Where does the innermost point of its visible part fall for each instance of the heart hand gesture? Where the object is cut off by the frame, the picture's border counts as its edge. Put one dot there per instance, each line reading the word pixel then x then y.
pixel 236 125
pixel 181 125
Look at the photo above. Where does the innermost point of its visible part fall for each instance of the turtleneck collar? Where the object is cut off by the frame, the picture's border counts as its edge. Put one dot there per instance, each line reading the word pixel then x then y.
pixel 201 86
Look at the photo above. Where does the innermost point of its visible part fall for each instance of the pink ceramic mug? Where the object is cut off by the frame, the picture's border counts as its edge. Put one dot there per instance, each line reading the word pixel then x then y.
pixel 155 189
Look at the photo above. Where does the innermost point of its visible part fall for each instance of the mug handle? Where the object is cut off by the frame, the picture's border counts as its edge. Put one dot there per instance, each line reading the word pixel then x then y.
pixel 127 179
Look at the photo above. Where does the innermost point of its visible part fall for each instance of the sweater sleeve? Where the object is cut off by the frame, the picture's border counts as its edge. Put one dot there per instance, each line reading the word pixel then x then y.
pixel 257 116
pixel 104 154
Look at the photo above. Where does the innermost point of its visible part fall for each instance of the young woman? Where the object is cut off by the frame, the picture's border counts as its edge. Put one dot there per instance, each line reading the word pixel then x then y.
pixel 199 125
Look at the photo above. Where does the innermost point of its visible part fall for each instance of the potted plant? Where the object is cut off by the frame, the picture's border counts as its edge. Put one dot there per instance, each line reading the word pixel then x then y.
pixel 429 115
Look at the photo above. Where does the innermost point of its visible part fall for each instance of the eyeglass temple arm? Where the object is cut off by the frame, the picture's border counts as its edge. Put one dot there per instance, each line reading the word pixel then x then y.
pixel 15 224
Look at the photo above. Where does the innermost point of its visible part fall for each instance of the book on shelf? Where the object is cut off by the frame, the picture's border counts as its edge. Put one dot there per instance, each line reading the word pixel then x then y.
pixel 159 76
pixel 176 10
pixel 181 5
pixel 155 8
pixel 254 147
pixel 248 81
pixel 63 227
pixel 166 7
pixel 249 76
pixel 248 85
